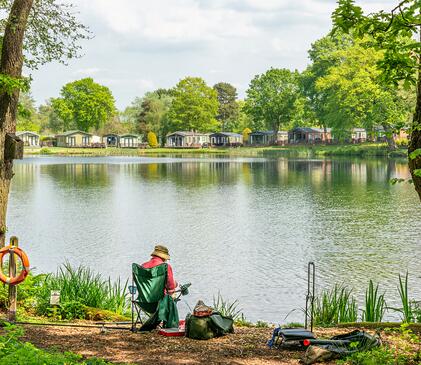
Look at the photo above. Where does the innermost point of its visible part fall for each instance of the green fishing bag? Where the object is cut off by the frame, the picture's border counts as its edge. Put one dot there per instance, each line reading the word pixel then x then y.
pixel 205 328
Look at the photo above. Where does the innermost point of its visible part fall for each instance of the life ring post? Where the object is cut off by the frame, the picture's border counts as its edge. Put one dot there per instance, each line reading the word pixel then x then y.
pixel 13 289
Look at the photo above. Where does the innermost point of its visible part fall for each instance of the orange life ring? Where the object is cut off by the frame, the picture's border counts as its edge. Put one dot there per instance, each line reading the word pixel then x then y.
pixel 25 263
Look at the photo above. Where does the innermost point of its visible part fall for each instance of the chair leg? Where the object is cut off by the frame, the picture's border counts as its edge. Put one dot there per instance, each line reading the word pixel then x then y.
pixel 133 329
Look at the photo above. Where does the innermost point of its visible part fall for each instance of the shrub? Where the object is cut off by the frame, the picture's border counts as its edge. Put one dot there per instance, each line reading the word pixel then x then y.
pixel 27 293
pixel 45 151
pixel 152 140
pixel 402 142
pixel 246 133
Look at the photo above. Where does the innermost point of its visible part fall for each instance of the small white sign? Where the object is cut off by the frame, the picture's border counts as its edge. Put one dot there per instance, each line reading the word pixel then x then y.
pixel 55 297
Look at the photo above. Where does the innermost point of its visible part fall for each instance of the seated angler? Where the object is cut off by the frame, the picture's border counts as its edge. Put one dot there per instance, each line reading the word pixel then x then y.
pixel 159 256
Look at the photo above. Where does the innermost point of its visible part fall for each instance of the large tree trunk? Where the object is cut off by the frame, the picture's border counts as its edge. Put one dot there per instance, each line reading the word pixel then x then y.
pixel 10 65
pixel 415 142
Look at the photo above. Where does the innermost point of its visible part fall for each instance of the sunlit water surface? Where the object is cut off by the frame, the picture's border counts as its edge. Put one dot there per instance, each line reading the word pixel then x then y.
pixel 243 226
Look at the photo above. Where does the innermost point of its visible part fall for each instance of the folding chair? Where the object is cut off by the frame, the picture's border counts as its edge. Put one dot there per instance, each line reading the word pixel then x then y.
pixel 149 285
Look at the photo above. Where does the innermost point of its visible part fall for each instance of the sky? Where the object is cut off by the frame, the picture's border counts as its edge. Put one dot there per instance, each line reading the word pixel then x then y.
pixel 141 45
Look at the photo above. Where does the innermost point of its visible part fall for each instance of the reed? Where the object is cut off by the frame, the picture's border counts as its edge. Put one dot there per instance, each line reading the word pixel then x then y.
pixel 375 304
pixel 406 310
pixel 336 305
pixel 83 285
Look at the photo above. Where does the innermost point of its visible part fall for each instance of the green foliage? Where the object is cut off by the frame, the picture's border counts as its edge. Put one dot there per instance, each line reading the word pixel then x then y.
pixel 27 292
pixel 9 84
pixel 334 306
pixel 45 151
pixel 152 140
pixel 53 32
pixel 82 285
pixel 228 109
pixel 405 353
pixel 324 54
pixel 27 116
pixel 393 32
pixel 262 324
pixel 226 308
pixel 13 351
pixel 354 96
pixel 84 105
pixel 375 304
pixel 150 113
pixel 271 99
pixel 194 107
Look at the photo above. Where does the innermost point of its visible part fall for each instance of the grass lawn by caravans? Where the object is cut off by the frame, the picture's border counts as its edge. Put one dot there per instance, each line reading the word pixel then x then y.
pixel 362 150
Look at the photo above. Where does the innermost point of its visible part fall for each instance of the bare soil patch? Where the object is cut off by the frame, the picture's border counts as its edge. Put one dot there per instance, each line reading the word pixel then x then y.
pixel 247 346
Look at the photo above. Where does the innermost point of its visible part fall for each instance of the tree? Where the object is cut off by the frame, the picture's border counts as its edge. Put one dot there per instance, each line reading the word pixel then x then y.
pixel 271 98
pixel 324 55
pixel 27 118
pixel 243 120
pixel 84 105
pixel 194 107
pixel 48 31
pixel 150 113
pixel 354 96
pixel 152 140
pixel 228 109
pixel 397 34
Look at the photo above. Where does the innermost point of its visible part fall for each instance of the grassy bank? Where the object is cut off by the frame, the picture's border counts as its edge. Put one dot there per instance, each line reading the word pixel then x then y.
pixel 363 150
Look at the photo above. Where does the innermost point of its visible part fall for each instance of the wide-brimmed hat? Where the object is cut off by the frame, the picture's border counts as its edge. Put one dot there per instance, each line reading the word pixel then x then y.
pixel 161 251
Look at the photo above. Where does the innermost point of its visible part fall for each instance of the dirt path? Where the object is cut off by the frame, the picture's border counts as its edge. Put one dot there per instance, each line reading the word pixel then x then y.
pixel 246 347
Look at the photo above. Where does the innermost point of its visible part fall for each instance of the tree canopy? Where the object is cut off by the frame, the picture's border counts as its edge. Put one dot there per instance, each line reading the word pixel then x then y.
pixel 194 107
pixel 271 98
pixel 228 109
pixel 84 105
pixel 397 33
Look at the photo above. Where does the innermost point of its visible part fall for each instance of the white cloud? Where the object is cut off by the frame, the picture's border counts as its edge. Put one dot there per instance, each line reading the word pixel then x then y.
pixel 145 85
pixel 169 20
pixel 140 45
pixel 88 71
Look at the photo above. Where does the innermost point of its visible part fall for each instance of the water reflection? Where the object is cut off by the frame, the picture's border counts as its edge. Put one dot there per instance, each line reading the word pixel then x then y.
pixel 246 227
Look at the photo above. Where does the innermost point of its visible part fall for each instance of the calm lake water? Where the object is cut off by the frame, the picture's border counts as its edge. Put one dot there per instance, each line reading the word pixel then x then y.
pixel 243 226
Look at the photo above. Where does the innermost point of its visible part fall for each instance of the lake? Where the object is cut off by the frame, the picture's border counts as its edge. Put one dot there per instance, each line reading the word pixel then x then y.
pixel 244 227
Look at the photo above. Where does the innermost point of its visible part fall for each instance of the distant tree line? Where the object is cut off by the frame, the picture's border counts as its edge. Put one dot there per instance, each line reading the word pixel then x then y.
pixel 340 89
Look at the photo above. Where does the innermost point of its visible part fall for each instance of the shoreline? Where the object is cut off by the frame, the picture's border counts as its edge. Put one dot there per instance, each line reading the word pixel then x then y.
pixel 361 150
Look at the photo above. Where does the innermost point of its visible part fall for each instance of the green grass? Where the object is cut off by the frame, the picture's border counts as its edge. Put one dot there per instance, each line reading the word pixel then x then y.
pixel 362 150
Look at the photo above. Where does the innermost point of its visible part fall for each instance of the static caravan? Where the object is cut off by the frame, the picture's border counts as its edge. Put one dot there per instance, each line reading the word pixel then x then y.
pixel 266 138
pixel 226 139
pixel 111 140
pixel 129 140
pixel 29 138
pixel 74 139
pixel 358 135
pixel 310 135
pixel 187 139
